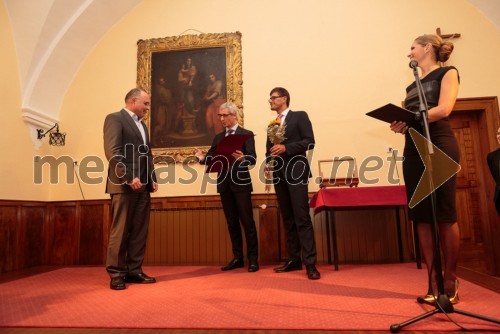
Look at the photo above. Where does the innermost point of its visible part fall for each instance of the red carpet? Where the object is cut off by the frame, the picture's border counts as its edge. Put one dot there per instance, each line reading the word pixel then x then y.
pixel 358 297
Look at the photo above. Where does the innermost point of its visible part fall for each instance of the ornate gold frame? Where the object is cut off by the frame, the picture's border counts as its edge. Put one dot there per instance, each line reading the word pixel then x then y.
pixel 232 44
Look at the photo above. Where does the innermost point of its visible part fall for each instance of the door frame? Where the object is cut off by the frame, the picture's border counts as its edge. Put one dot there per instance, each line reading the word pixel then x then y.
pixel 487 112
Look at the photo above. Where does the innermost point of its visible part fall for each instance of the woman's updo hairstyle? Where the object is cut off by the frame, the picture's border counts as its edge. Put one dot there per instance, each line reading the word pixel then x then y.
pixel 442 49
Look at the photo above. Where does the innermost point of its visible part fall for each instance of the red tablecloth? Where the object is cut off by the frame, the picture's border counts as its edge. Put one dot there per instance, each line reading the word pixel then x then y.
pixel 363 196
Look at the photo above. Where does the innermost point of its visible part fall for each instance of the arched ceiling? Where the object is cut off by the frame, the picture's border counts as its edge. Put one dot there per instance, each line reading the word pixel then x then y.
pixel 53 37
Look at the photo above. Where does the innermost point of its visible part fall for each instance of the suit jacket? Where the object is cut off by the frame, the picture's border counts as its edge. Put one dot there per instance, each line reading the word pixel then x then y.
pixel 293 165
pixel 493 159
pixel 237 177
pixel 127 155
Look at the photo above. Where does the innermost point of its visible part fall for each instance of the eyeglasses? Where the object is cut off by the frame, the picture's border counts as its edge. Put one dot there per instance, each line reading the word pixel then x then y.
pixel 223 115
pixel 272 98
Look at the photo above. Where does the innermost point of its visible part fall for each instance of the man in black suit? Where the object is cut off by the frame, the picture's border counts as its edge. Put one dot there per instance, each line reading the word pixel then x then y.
pixel 235 188
pixel 493 160
pixel 131 178
pixel 291 173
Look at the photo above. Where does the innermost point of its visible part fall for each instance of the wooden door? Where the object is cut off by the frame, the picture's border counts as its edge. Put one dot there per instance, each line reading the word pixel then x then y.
pixel 474 122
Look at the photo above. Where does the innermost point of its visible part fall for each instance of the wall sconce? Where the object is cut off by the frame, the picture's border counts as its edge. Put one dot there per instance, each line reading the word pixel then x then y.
pixel 55 138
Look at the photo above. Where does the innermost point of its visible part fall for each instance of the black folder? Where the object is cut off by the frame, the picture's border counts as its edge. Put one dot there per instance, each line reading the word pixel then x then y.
pixel 390 113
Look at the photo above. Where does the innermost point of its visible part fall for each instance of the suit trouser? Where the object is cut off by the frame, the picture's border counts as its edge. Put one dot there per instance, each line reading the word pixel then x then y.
pixel 238 206
pixel 129 232
pixel 293 200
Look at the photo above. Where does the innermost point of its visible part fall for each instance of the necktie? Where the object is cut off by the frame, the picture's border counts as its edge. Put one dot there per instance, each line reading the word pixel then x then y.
pixel 280 116
pixel 229 132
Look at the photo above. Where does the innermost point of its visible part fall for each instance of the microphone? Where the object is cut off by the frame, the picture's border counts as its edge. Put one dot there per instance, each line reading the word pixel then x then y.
pixel 413 64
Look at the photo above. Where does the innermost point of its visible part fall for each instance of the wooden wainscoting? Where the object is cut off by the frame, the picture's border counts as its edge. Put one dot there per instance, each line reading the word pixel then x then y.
pixel 188 236
pixel 184 231
pixel 23 227
pixel 198 236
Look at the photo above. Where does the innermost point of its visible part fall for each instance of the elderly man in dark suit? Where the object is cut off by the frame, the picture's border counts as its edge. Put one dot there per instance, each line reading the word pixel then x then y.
pixel 131 178
pixel 291 173
pixel 235 188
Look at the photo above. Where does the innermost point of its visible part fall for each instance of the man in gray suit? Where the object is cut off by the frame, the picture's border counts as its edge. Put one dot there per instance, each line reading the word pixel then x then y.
pixel 131 178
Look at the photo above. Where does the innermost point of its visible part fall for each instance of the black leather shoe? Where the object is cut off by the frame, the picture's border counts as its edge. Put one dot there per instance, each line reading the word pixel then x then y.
pixel 253 266
pixel 141 278
pixel 117 283
pixel 235 263
pixel 291 265
pixel 312 272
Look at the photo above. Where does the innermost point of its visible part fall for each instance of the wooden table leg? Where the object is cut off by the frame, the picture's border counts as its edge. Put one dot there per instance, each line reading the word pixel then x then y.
pixel 334 239
pixel 328 237
pixel 400 241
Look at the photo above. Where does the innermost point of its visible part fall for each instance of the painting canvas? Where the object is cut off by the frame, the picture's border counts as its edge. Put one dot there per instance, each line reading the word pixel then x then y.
pixel 189 77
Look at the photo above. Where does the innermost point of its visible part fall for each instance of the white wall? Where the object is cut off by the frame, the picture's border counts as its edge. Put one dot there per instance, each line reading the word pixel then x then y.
pixel 338 59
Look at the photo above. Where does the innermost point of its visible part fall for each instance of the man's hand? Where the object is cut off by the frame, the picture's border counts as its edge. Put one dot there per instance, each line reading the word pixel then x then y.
pixel 238 155
pixel 278 149
pixel 135 184
pixel 155 187
pixel 199 154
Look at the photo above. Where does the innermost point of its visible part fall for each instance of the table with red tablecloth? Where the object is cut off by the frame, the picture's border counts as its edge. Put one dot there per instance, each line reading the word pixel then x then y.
pixel 337 198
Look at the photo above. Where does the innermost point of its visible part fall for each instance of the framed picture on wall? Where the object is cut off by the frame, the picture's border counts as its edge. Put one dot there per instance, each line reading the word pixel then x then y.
pixel 189 77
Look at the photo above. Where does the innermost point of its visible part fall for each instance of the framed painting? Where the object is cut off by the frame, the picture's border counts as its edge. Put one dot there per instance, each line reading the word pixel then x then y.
pixel 188 77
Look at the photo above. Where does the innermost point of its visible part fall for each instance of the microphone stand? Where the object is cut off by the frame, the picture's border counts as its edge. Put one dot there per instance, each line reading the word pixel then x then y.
pixel 442 302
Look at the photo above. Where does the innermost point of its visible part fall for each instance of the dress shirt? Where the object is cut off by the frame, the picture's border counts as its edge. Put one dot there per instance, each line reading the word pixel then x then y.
pixel 282 116
pixel 138 123
pixel 233 129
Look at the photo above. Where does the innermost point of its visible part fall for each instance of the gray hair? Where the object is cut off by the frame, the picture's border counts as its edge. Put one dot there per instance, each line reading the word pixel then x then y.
pixel 230 106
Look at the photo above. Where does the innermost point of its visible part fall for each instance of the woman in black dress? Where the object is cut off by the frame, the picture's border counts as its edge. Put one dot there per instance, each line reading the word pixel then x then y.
pixel 440 85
